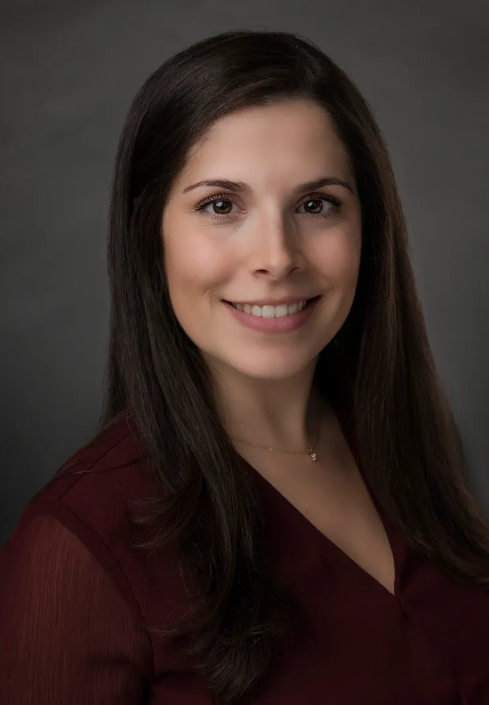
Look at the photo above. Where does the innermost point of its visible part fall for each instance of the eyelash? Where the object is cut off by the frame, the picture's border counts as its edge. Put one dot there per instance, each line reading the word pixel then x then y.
pixel 337 202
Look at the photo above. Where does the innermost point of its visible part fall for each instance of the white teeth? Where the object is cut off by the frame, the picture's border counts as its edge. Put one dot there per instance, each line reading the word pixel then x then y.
pixel 271 311
pixel 281 310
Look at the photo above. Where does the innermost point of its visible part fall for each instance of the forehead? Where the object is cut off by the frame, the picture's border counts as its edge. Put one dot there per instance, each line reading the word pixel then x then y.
pixel 291 139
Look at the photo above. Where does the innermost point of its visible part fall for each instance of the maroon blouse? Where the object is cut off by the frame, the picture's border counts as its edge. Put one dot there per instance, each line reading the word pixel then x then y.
pixel 75 598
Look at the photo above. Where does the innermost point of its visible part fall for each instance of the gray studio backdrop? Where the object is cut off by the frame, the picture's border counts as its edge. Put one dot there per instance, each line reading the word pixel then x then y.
pixel 69 71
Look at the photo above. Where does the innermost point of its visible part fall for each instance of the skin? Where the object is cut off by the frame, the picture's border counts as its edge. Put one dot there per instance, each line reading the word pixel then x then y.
pixel 268 242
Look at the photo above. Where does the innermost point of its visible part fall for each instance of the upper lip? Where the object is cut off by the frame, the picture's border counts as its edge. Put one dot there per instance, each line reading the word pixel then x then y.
pixel 274 302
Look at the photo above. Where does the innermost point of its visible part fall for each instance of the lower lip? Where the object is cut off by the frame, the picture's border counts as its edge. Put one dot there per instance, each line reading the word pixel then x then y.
pixel 274 325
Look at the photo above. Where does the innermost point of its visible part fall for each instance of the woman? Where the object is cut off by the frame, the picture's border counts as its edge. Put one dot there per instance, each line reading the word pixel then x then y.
pixel 275 508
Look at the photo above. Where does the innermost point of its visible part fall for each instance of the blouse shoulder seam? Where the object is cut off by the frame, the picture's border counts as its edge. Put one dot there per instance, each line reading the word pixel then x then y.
pixel 91 465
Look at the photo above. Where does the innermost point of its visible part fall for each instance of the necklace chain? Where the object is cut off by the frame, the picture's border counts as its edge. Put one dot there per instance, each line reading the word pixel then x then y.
pixel 308 452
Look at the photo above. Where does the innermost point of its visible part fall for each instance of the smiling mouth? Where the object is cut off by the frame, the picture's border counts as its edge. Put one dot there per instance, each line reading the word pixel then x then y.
pixel 269 311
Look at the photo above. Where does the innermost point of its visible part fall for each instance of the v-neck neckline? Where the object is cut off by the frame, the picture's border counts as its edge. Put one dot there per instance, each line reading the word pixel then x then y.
pixel 387 524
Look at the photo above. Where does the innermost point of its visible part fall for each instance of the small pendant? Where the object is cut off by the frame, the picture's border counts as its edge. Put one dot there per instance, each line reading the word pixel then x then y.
pixel 313 456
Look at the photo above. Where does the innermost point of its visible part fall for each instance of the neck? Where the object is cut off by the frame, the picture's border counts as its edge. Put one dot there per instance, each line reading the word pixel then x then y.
pixel 281 413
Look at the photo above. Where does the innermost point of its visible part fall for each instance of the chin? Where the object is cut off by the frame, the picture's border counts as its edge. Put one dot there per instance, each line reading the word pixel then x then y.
pixel 269 367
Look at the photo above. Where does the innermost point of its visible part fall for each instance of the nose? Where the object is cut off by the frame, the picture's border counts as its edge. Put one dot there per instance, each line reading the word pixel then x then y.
pixel 276 249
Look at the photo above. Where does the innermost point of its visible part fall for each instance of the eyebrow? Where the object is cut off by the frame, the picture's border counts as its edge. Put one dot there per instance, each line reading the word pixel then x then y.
pixel 240 186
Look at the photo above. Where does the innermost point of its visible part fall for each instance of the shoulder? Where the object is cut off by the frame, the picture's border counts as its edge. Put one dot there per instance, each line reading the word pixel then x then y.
pixel 85 502
pixel 90 491
pixel 95 481
pixel 88 495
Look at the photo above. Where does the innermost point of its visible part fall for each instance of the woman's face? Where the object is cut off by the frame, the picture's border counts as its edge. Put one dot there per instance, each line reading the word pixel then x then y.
pixel 263 239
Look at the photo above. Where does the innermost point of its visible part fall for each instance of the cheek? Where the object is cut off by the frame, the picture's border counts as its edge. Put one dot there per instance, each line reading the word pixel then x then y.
pixel 194 265
pixel 339 259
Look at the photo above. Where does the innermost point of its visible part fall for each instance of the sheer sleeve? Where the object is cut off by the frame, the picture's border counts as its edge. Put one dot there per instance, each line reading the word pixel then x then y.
pixel 67 635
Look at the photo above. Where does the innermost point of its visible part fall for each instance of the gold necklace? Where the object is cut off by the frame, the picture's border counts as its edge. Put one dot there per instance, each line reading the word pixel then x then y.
pixel 309 451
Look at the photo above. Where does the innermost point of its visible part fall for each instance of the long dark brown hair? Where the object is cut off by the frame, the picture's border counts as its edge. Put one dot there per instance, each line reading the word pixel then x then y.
pixel 380 365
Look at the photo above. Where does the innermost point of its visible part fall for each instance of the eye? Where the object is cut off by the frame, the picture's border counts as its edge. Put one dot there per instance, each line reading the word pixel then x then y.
pixel 224 204
pixel 317 201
